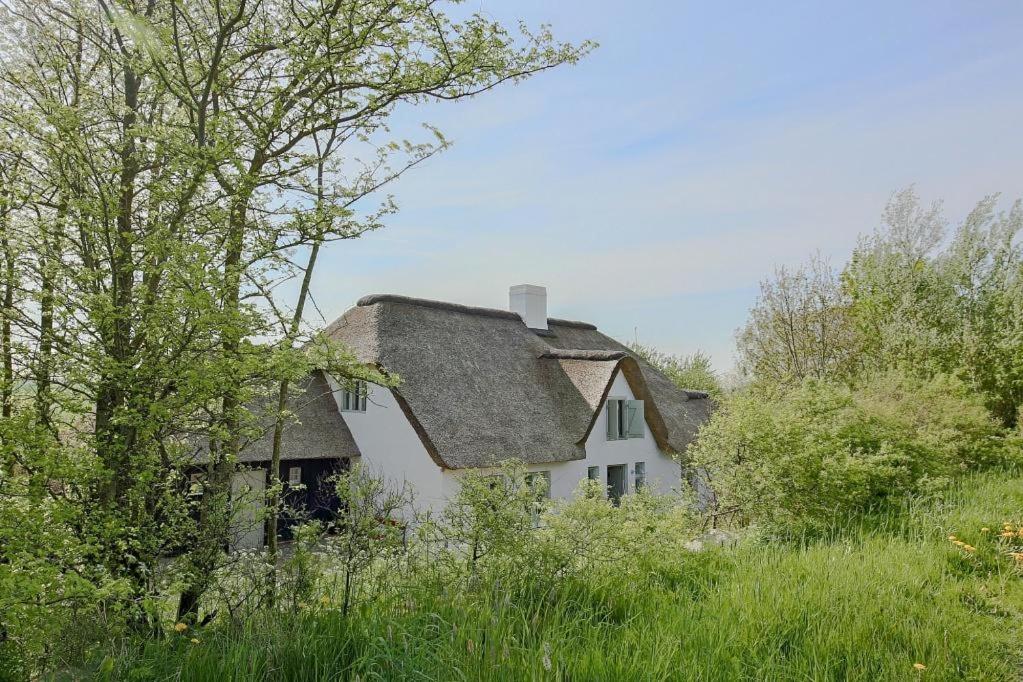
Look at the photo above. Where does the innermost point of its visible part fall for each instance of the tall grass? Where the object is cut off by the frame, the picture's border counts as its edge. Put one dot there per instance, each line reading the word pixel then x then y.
pixel 864 604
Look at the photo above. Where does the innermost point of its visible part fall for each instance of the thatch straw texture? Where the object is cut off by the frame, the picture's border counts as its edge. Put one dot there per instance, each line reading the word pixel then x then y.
pixel 479 386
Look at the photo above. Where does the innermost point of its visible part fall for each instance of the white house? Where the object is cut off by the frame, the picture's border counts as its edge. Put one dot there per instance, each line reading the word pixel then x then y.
pixel 480 385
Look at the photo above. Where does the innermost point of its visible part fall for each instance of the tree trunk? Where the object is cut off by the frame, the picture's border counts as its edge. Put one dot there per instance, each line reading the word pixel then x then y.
pixel 274 499
pixel 214 523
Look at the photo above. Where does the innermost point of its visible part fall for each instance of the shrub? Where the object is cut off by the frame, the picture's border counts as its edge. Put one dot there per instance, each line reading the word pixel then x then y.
pixel 798 458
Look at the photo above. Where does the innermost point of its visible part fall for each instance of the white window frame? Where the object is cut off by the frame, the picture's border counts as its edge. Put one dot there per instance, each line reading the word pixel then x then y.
pixel 593 473
pixel 292 478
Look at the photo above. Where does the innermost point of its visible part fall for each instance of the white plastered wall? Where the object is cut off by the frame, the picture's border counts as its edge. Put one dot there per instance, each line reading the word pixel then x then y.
pixel 391 449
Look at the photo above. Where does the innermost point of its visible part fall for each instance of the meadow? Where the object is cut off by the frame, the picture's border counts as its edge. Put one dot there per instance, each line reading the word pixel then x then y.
pixel 928 589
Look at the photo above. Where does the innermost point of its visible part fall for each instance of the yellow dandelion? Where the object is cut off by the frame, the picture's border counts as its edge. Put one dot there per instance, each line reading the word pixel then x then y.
pixel 324 600
pixel 1005 534
pixel 958 543
pixel 195 641
pixel 919 666
pixel 952 538
pixel 180 627
pixel 985 529
pixel 969 548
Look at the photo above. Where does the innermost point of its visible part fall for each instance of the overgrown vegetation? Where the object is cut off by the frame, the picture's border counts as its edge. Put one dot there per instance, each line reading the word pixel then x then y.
pixel 609 593
pixel 798 458
pixel 691 372
pixel 916 298
pixel 165 167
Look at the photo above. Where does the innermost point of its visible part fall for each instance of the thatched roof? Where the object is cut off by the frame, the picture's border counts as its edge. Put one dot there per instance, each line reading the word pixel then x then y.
pixel 315 430
pixel 479 386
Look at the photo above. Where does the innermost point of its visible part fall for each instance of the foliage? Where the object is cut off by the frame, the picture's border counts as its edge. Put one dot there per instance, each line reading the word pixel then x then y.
pixel 867 604
pixel 488 524
pixel 912 298
pixel 801 457
pixel 929 304
pixel 164 168
pixel 799 328
pixel 368 530
pixel 689 372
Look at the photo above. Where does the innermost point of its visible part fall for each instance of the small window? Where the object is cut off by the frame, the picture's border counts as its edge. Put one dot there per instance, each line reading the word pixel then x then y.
pixel 196 482
pixel 640 475
pixel 593 473
pixel 294 475
pixel 624 419
pixel 540 482
pixel 354 400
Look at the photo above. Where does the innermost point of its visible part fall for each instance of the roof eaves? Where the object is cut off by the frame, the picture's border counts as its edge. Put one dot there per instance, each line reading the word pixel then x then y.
pixel 420 430
pixel 579 354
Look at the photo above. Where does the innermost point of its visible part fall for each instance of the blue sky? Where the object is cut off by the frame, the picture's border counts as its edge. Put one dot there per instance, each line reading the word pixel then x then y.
pixel 651 186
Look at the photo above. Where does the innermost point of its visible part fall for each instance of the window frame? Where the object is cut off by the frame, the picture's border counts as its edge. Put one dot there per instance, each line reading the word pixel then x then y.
pixel 639 476
pixel 291 475
pixel 355 400
pixel 532 476
pixel 616 413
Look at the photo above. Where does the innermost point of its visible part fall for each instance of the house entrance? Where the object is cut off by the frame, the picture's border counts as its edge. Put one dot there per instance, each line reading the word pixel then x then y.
pixel 617 482
pixel 247 490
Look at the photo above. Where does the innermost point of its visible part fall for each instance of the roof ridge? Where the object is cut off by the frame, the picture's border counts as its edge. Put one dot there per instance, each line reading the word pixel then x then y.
pixel 583 354
pixel 373 299
pixel 571 323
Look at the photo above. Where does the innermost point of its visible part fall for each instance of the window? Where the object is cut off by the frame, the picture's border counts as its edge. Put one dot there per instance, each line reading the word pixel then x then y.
pixel 294 475
pixel 540 483
pixel 639 471
pixel 196 483
pixel 354 400
pixel 593 473
pixel 624 419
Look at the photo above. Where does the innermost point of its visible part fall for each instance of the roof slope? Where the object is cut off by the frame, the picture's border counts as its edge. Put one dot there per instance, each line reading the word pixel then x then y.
pixel 316 431
pixel 479 386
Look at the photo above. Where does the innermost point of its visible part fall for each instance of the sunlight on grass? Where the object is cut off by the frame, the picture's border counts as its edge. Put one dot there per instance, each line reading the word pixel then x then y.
pixel 894 601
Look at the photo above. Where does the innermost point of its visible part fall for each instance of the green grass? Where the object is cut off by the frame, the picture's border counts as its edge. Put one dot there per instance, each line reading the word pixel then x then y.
pixel 865 604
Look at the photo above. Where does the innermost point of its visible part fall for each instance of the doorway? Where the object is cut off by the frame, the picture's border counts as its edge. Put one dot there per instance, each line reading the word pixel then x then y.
pixel 617 482
pixel 247 490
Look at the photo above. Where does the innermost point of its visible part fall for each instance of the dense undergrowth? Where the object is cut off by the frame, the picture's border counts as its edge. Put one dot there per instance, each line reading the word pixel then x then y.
pixel 929 589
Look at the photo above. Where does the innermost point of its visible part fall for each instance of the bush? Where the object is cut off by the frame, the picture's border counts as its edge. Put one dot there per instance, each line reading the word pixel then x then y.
pixel 868 605
pixel 795 459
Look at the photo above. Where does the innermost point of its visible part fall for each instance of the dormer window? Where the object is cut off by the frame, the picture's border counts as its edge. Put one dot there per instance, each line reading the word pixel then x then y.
pixel 354 400
pixel 624 419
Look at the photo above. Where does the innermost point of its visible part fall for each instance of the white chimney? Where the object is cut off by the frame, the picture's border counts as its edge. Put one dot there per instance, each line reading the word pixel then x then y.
pixel 530 302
